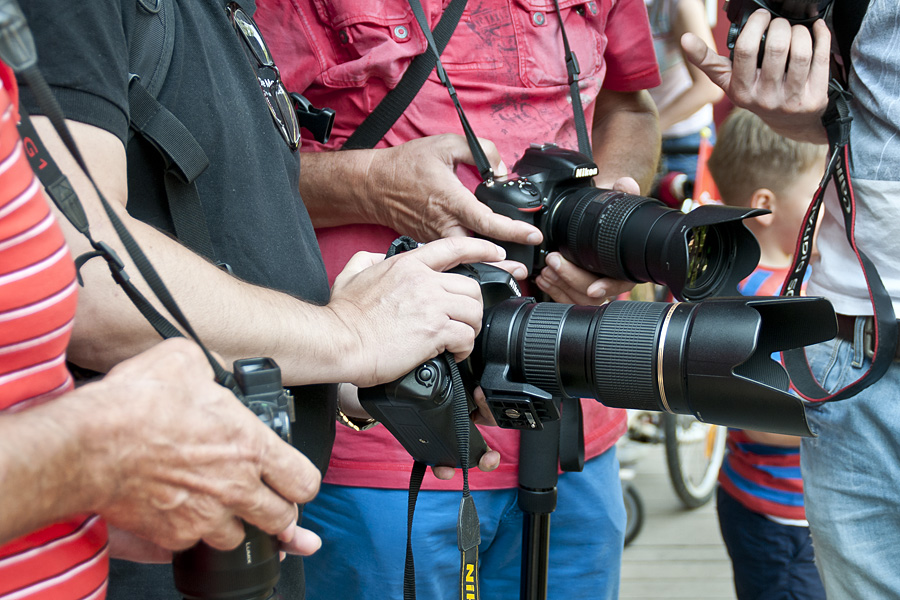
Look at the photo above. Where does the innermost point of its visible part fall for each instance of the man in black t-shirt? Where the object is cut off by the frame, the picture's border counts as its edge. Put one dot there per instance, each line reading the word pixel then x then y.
pixel 277 303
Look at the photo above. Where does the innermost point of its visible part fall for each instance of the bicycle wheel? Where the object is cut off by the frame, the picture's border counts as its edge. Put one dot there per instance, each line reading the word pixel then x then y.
pixel 694 453
pixel 634 511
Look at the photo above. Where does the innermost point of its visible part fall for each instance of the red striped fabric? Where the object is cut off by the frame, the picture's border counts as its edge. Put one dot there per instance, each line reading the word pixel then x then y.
pixel 38 296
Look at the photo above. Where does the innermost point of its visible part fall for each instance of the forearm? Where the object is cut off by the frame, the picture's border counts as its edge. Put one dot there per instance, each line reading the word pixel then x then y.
pixel 44 470
pixel 693 99
pixel 625 137
pixel 334 187
pixel 233 318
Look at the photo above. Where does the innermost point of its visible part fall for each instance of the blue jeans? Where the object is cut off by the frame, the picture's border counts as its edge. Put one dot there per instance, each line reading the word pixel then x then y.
pixel 680 154
pixel 771 561
pixel 364 540
pixel 850 474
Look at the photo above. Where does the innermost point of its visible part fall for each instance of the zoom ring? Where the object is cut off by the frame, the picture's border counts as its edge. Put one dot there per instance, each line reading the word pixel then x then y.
pixel 609 226
pixel 624 356
pixel 540 346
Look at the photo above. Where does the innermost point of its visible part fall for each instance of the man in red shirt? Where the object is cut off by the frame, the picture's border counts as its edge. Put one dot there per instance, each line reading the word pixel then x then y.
pixel 506 62
pixel 72 461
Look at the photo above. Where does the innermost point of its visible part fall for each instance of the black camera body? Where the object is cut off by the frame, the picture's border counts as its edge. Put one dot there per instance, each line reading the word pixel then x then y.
pixel 250 571
pixel 704 253
pixel 710 359
pixel 797 12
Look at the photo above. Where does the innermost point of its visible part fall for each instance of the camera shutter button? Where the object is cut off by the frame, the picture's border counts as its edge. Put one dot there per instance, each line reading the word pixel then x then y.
pixel 425 375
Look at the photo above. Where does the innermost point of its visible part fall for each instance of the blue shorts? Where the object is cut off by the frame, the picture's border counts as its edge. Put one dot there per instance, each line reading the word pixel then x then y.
pixel 771 561
pixel 364 540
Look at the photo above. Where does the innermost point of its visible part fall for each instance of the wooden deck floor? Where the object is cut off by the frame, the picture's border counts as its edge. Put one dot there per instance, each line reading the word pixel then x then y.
pixel 678 553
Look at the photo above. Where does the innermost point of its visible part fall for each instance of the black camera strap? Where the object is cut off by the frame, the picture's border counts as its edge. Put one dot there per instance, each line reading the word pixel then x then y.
pixel 383 117
pixel 17 50
pixel 481 161
pixel 837 123
pixel 468 529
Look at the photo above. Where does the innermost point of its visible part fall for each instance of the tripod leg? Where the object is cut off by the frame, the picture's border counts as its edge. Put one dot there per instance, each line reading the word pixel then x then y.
pixel 538 475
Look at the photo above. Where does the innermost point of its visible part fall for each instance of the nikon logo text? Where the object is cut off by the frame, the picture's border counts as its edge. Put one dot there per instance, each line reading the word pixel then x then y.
pixel 586 171
pixel 470 582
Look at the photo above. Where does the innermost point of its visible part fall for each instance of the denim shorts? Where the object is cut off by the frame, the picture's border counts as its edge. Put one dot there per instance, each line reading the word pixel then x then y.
pixel 850 474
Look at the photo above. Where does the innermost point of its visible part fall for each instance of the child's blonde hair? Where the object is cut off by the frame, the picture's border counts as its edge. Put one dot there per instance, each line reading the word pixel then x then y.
pixel 748 156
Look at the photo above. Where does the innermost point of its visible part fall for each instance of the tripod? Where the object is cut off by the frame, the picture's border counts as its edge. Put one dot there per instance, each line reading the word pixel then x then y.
pixel 538 458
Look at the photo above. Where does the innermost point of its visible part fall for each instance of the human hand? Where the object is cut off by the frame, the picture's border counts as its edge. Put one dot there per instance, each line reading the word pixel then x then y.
pixel 567 283
pixel 404 310
pixel 790 90
pixel 420 195
pixel 184 460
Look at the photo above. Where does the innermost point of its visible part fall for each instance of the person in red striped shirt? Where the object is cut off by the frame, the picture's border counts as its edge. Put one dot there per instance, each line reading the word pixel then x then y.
pixel 72 460
pixel 760 497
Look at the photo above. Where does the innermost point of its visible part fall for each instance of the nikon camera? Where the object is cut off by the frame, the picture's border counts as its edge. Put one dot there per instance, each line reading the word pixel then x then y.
pixel 697 255
pixel 710 359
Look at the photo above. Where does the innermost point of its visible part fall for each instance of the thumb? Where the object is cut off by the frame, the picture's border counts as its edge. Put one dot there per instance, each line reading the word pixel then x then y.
pixel 717 68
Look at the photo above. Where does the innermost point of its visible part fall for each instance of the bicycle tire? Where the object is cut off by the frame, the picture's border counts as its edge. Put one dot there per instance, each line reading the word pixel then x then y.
pixel 634 512
pixel 694 454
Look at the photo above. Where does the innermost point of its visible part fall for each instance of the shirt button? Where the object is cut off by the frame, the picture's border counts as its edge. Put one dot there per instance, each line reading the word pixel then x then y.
pixel 401 32
pixel 538 18
pixel 343 36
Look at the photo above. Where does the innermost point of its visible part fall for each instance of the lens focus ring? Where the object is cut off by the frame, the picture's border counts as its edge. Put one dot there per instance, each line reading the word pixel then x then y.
pixel 540 346
pixel 624 355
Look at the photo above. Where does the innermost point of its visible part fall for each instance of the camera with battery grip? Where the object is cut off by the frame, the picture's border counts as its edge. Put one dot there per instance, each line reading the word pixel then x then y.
pixel 250 571
pixel 711 359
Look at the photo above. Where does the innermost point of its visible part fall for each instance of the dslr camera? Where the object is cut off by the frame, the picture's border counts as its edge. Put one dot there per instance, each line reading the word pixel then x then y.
pixel 250 571
pixel 703 253
pixel 710 359
pixel 797 12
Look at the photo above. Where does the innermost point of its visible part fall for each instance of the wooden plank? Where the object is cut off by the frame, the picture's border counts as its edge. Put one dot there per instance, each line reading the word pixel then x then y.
pixel 679 553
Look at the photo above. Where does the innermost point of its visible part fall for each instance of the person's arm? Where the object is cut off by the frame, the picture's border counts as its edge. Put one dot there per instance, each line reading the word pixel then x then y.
pixel 773 439
pixel 412 188
pixel 690 17
pixel 790 90
pixel 402 300
pixel 626 141
pixel 158 449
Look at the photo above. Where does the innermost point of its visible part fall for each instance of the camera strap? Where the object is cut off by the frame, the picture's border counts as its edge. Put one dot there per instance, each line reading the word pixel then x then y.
pixel 468 529
pixel 837 120
pixel 383 117
pixel 17 50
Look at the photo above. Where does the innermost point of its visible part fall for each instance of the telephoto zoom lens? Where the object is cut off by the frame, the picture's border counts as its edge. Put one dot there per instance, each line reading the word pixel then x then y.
pixel 711 359
pixel 697 255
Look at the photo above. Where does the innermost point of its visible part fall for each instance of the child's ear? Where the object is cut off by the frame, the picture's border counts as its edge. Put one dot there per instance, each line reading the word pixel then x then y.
pixel 764 198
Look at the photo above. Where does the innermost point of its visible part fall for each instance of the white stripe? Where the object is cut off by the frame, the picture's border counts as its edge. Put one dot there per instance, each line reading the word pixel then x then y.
pixel 41 398
pixel 47 337
pixel 76 535
pixel 39 306
pixel 38 368
pixel 10 160
pixel 30 233
pixel 60 579
pixel 21 200
pixel 37 267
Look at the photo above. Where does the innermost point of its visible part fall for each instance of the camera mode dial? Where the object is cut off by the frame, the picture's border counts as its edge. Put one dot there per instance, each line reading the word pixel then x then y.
pixel 523 194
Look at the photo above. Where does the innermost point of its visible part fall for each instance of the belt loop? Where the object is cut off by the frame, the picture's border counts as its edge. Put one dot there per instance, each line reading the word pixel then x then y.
pixel 859 342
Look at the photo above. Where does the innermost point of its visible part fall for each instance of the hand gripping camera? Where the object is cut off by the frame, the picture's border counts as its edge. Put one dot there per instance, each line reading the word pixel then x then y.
pixel 250 571
pixel 704 253
pixel 798 12
pixel 711 359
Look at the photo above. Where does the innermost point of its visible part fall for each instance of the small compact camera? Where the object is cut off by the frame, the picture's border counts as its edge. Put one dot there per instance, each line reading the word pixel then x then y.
pixel 704 253
pixel 250 571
